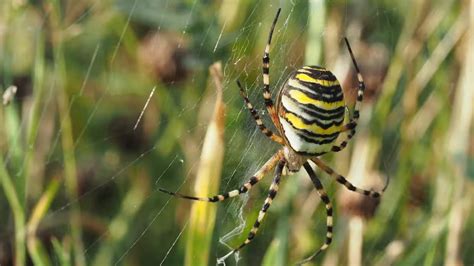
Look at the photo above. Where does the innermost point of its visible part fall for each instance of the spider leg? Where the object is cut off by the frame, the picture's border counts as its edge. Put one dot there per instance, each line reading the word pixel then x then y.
pixel 329 218
pixel 268 201
pixel 267 167
pixel 257 118
pixel 267 96
pixel 342 180
pixel 351 126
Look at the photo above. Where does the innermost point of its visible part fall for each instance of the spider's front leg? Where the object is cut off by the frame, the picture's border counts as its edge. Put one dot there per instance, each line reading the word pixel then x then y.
pixel 267 167
pixel 267 96
pixel 267 132
pixel 268 201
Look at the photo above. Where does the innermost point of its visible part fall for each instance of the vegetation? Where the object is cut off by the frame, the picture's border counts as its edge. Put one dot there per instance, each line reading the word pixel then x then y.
pixel 117 98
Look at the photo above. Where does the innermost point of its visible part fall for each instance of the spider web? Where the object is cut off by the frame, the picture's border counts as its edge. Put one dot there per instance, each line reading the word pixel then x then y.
pixel 132 135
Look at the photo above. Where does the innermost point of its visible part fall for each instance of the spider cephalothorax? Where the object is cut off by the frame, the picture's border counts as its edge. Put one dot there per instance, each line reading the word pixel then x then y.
pixel 309 116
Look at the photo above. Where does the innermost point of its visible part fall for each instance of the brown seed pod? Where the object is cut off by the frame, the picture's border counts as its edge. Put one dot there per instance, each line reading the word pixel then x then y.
pixel 162 56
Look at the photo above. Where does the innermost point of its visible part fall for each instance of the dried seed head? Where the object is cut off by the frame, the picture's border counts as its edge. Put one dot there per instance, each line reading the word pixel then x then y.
pixel 163 56
pixel 9 94
pixel 418 193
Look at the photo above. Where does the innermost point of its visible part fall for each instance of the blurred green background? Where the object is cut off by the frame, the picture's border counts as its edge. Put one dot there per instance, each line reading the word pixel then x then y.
pixel 79 171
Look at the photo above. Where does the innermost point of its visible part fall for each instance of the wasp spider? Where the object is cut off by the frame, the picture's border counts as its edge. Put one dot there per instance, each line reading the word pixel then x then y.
pixel 309 116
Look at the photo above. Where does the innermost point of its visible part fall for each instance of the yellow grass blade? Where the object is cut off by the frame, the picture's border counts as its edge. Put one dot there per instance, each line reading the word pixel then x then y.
pixel 202 219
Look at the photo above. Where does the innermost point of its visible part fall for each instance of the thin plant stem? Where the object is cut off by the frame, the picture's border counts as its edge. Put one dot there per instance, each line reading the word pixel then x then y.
pixel 16 193
pixel 70 170
pixel 356 229
pixel 317 19
pixel 18 213
pixel 35 248
pixel 398 61
pixel 35 114
pixel 457 151
pixel 433 63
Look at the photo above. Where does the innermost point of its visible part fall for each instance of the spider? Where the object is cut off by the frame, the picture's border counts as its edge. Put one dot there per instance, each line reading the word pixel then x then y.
pixel 309 116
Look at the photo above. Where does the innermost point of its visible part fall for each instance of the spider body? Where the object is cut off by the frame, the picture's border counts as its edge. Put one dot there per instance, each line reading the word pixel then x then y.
pixel 311 109
pixel 309 116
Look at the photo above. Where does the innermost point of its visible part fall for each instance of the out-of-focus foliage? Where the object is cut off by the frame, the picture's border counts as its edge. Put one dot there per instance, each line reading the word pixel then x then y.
pixel 79 170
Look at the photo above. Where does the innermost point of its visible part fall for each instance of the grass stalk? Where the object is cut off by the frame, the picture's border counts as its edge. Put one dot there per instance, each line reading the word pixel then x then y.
pixel 397 65
pixel 432 65
pixel 362 161
pixel 62 251
pixel 16 190
pixel 407 50
pixel 18 213
pixel 36 250
pixel 35 114
pixel 457 150
pixel 316 24
pixel 202 219
pixel 70 170
pixel 356 229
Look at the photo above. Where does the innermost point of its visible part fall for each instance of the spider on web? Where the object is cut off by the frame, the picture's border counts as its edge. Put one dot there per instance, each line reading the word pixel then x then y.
pixel 309 116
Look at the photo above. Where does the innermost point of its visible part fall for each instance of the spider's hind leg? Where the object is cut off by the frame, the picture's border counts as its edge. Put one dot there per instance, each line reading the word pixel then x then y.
pixel 329 219
pixel 268 201
pixel 342 180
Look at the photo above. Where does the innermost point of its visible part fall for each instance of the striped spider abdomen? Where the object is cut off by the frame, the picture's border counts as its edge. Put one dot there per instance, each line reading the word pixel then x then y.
pixel 311 110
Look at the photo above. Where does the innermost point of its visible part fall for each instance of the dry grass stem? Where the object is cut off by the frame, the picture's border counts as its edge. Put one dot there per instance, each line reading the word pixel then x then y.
pixel 35 247
pixel 433 63
pixel 457 137
pixel 202 218
pixel 356 228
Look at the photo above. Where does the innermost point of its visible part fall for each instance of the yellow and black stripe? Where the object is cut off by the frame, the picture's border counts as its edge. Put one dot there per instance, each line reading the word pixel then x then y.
pixel 311 110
